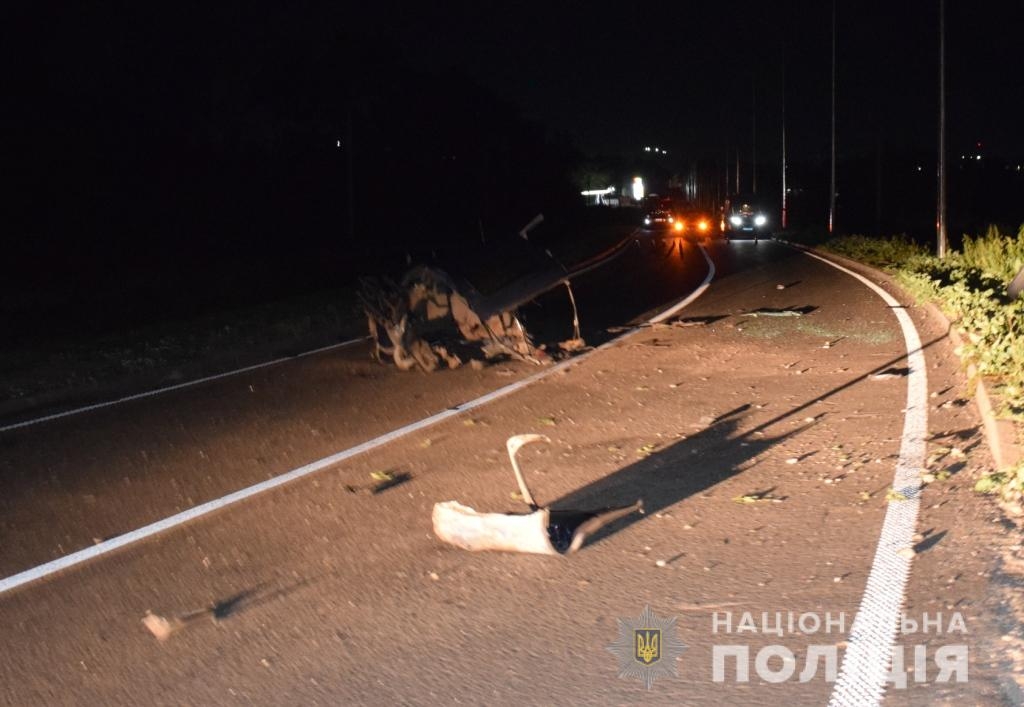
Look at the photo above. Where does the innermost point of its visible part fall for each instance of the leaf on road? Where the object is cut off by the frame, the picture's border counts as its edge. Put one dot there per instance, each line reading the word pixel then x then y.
pixel 645 451
pixel 893 495
pixel 758 497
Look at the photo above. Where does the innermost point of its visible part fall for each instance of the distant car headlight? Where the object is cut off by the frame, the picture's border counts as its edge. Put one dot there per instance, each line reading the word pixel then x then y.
pixel 647 220
pixel 760 220
pixel 671 219
pixel 735 220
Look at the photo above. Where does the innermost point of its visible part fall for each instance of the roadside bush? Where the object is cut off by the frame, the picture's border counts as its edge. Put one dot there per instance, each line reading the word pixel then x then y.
pixel 1009 484
pixel 970 288
pixel 879 252
pixel 996 255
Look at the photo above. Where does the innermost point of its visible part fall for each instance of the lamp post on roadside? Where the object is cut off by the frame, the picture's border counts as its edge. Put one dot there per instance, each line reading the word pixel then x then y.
pixel 940 220
pixel 784 196
pixel 832 177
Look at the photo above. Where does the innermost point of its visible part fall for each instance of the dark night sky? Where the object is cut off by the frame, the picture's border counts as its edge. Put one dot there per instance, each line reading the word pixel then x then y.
pixel 164 146
pixel 613 75
pixel 683 74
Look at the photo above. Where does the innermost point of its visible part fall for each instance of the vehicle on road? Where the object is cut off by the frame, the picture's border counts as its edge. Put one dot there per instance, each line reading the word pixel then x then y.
pixel 744 217
pixel 696 223
pixel 661 215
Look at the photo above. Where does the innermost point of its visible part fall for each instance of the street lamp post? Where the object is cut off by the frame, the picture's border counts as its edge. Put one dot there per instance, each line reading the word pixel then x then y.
pixel 832 178
pixel 940 221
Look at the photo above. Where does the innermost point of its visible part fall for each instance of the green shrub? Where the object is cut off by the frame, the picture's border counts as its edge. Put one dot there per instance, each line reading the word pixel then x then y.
pixel 996 255
pixel 970 287
pixel 880 252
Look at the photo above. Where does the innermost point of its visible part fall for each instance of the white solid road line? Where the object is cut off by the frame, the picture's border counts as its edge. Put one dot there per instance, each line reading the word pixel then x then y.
pixel 107 546
pixel 177 386
pixel 865 670
pixel 674 309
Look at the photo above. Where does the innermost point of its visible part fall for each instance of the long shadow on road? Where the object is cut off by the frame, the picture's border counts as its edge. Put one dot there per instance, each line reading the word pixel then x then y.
pixel 683 469
pixel 695 463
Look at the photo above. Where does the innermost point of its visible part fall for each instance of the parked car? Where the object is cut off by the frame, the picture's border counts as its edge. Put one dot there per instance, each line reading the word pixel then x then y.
pixel 744 217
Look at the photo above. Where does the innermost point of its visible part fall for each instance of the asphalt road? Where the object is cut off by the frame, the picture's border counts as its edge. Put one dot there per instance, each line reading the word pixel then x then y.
pixel 763 457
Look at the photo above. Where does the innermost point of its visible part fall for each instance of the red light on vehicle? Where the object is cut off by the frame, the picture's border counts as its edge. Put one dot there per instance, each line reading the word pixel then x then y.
pixel 702 226
pixel 678 225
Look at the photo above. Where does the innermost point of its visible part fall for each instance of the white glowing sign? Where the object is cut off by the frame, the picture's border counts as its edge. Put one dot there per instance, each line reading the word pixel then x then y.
pixel 638 188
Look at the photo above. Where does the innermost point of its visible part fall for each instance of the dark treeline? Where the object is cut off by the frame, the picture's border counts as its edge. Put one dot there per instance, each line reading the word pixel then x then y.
pixel 167 162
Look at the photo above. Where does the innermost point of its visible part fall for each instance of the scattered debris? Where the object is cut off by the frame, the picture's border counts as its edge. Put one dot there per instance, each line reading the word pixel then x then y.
pixel 542 531
pixel 572 345
pixel 384 480
pixel 788 312
pixel 890 373
pixel 646 450
pixel 758 497
pixel 893 495
pixel 161 627
pixel 426 322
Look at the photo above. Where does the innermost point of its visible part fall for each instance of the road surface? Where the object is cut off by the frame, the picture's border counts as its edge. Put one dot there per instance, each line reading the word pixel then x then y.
pixel 763 447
